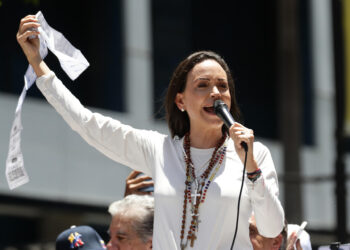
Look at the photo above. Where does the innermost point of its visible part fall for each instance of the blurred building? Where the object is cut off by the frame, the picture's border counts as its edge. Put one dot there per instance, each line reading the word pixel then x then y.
pixel 289 63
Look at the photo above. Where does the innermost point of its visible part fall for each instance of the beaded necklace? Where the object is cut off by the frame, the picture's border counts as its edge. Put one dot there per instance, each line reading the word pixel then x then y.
pixel 201 184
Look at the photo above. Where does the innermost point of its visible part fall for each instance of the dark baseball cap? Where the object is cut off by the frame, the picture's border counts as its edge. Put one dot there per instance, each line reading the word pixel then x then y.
pixel 81 238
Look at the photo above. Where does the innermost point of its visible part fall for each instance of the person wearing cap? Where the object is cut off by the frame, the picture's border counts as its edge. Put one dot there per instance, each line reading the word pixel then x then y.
pixel 80 237
pixel 131 225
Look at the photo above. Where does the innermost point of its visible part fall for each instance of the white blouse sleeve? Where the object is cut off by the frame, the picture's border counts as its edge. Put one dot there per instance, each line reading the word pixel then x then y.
pixel 129 146
pixel 267 208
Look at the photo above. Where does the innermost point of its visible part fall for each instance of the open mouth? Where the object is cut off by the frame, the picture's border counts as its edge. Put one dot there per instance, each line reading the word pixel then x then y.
pixel 209 110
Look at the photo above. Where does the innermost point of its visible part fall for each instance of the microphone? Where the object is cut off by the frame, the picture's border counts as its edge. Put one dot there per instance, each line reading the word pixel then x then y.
pixel 221 110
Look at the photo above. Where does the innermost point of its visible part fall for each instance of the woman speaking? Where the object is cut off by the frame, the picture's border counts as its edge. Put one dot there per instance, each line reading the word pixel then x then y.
pixel 198 170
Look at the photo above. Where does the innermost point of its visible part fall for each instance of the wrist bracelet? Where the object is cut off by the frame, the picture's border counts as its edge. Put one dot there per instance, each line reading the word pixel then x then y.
pixel 254 178
pixel 258 171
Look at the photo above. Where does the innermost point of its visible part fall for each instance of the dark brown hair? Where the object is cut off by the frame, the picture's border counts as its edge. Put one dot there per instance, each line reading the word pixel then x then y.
pixel 178 122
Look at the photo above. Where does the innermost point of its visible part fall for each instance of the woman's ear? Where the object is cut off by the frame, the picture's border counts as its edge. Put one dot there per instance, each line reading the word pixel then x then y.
pixel 179 101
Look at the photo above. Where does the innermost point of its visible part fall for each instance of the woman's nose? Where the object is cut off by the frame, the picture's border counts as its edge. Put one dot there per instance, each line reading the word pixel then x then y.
pixel 215 92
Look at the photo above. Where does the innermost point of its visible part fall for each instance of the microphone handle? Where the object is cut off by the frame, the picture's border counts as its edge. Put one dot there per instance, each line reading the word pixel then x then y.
pixel 244 145
pixel 229 122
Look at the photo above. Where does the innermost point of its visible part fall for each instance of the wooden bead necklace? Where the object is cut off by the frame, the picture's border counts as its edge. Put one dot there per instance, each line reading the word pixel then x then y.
pixel 200 183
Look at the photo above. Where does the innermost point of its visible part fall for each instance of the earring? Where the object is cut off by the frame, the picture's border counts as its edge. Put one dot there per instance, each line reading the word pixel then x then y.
pixel 182 110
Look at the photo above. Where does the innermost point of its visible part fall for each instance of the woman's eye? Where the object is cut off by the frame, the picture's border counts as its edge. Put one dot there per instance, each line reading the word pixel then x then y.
pixel 202 85
pixel 223 86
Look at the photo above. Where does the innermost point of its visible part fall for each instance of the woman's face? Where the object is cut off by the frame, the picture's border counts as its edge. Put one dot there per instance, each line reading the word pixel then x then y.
pixel 206 82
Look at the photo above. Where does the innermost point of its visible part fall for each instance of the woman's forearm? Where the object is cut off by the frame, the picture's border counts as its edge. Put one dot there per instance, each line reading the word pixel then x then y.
pixel 40 67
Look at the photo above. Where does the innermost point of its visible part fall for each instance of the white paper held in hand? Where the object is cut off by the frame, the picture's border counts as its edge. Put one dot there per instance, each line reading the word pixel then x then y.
pixel 71 59
pixel 16 174
pixel 73 63
pixel 301 229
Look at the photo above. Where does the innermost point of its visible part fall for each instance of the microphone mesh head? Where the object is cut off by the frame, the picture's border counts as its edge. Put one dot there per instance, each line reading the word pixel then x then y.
pixel 219 104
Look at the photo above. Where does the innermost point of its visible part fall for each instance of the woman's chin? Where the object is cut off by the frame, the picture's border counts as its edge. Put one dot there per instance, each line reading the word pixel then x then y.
pixel 215 122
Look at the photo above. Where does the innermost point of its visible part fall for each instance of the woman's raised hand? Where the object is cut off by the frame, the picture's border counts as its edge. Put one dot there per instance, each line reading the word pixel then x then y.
pixel 30 46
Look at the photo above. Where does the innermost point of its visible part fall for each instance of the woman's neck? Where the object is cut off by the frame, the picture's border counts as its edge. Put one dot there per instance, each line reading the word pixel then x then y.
pixel 205 139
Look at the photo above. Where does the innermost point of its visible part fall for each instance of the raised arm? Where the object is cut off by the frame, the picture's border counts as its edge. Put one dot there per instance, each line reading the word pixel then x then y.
pixel 132 147
pixel 29 28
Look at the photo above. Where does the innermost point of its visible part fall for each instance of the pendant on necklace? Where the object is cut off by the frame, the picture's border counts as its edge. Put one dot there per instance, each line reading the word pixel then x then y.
pixel 196 194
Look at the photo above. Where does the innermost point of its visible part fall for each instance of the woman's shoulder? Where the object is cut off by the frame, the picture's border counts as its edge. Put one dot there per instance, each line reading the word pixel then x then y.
pixel 174 144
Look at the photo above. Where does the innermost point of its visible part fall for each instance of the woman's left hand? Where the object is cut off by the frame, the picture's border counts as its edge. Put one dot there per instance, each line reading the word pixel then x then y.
pixel 240 134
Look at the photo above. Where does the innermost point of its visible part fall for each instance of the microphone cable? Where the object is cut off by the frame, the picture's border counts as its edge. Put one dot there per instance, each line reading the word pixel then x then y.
pixel 239 196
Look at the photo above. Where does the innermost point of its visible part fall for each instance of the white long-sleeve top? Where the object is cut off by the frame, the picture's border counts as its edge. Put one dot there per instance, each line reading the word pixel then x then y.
pixel 161 157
